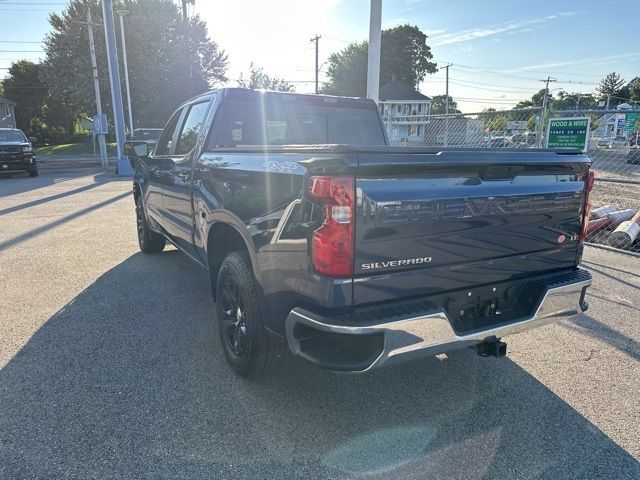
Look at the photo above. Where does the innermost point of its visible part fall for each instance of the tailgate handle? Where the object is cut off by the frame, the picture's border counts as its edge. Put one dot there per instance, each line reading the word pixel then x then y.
pixel 501 172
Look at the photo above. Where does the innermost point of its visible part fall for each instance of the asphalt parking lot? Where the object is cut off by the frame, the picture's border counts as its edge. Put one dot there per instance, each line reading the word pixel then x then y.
pixel 108 369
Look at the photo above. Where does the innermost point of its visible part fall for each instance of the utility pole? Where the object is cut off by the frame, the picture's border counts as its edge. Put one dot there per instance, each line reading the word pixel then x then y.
pixel 373 60
pixel 614 132
pixel 446 95
pixel 121 14
pixel 315 39
pixel 446 106
pixel 185 18
pixel 124 167
pixel 104 159
pixel 544 109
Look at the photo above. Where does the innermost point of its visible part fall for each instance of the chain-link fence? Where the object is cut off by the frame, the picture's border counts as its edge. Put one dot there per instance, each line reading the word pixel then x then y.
pixel 612 144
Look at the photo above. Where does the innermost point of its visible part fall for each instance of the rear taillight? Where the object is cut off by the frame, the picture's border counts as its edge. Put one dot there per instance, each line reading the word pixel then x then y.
pixel 332 243
pixel 591 177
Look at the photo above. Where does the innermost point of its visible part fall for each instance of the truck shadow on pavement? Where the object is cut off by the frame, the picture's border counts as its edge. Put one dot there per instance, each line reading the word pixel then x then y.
pixel 127 381
pixel 98 180
pixel 16 183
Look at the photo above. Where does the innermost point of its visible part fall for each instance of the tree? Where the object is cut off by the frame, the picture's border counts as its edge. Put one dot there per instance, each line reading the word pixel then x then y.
pixel 494 121
pixel 158 65
pixel 634 90
pixel 24 87
pixel 438 105
pixel 404 53
pixel 38 113
pixel 537 99
pixel 573 101
pixel 610 85
pixel 257 79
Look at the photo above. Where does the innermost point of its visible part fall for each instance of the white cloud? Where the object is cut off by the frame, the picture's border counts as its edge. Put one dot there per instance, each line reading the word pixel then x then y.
pixel 514 26
pixel 585 61
pixel 434 32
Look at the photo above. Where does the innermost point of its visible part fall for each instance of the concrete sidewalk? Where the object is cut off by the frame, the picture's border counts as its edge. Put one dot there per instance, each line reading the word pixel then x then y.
pixel 72 161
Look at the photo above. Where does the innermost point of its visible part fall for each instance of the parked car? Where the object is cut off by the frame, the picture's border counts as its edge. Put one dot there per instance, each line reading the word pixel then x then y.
pixel 525 139
pixel 610 142
pixel 320 238
pixel 500 142
pixel 633 157
pixel 16 152
pixel 149 135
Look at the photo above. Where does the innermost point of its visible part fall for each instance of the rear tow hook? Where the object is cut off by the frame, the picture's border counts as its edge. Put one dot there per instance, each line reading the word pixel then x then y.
pixel 491 348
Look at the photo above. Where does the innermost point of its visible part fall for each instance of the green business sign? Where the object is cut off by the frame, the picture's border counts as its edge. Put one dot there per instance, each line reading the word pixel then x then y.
pixel 630 120
pixel 568 132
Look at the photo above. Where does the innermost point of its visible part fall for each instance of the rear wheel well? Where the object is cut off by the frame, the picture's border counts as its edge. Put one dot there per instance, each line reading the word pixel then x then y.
pixel 223 239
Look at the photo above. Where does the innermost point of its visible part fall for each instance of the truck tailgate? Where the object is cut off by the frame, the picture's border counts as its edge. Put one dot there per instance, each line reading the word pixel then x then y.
pixel 430 223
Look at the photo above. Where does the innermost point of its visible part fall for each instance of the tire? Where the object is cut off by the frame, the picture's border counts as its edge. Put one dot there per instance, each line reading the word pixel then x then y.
pixel 148 240
pixel 249 349
pixel 33 172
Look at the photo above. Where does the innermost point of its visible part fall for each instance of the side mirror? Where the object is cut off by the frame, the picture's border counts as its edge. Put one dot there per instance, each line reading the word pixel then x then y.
pixel 136 149
pixel 33 140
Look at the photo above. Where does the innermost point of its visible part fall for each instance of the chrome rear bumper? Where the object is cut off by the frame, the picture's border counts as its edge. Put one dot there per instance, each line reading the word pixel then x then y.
pixel 432 333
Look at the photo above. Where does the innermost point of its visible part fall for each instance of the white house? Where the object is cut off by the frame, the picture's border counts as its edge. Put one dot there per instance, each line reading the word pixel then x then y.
pixel 611 124
pixel 404 111
pixel 7 113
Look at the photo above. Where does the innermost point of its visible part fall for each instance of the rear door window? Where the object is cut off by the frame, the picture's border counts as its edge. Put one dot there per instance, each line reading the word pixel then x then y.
pixel 191 127
pixel 165 144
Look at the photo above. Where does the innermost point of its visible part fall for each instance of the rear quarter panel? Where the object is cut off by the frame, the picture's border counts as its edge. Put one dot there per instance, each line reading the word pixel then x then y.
pixel 262 197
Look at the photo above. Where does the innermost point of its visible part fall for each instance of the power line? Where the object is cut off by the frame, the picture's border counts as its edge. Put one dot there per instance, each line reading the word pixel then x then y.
pixel 497 89
pixel 505 74
pixel 494 85
pixel 499 101
pixel 577 82
pixel 33 3
pixel 489 72
pixel 338 39
pixel 16 41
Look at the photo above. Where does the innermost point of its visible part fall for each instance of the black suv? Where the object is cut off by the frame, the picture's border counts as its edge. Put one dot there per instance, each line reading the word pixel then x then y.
pixel 16 152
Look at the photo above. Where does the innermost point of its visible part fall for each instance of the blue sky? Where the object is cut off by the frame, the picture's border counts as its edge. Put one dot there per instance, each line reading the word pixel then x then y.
pixel 500 49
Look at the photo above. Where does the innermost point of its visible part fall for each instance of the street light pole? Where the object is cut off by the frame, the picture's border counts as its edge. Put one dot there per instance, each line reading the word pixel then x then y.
pixel 124 167
pixel 185 18
pixel 121 14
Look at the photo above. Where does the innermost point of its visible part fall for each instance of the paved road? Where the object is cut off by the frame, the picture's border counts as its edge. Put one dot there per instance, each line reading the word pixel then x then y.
pixel 108 369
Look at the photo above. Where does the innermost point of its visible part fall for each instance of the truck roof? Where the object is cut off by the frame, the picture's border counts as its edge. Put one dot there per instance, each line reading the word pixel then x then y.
pixel 246 93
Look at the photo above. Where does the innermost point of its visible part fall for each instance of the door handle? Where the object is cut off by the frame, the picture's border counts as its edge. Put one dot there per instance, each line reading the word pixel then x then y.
pixel 184 176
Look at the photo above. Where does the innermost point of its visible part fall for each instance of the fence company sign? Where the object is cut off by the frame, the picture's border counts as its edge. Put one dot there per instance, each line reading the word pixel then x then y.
pixel 568 132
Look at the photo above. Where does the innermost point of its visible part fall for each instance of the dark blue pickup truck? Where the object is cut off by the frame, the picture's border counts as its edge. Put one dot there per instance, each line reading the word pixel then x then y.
pixel 322 239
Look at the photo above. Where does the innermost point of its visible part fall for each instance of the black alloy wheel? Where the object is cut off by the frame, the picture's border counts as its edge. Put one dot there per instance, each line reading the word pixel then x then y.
pixel 250 350
pixel 235 328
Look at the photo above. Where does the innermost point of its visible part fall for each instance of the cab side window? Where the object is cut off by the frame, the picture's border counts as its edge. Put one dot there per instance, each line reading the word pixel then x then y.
pixel 165 143
pixel 191 127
